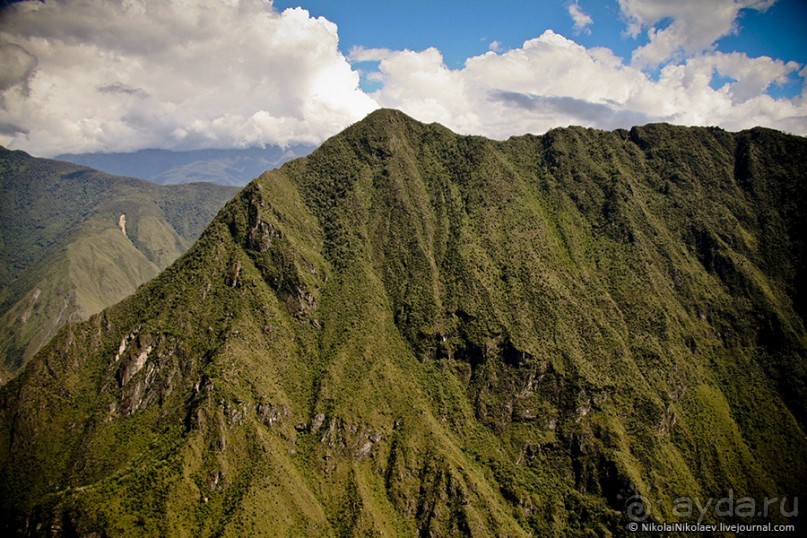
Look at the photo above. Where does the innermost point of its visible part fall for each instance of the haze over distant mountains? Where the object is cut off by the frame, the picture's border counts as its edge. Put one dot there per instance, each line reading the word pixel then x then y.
pixel 221 166
pixel 74 241
pixel 415 333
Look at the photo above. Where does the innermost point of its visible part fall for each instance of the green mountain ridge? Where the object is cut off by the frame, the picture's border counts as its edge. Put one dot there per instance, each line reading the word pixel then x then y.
pixel 414 332
pixel 63 252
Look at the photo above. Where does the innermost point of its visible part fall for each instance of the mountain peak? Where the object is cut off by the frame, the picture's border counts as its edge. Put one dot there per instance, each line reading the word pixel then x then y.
pixel 385 122
pixel 382 116
pixel 412 332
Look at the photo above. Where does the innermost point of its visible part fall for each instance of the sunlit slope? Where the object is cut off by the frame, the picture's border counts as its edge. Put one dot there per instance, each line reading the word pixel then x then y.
pixel 414 332
pixel 74 241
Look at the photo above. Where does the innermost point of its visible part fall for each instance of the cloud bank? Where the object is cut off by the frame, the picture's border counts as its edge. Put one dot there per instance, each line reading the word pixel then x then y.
pixel 94 75
pixel 552 81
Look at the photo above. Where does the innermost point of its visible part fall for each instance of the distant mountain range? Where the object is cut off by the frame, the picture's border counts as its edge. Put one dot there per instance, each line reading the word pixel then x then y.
pixel 74 241
pixel 220 166
pixel 415 333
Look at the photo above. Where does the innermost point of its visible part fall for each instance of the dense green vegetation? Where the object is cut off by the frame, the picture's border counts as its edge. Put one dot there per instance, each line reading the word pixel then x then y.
pixel 63 255
pixel 414 332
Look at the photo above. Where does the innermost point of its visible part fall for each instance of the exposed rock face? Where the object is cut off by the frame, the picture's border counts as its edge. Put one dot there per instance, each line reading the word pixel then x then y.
pixel 122 224
pixel 411 332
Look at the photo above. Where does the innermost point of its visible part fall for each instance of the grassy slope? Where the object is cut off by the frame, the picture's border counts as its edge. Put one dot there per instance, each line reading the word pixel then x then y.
pixel 410 331
pixel 63 255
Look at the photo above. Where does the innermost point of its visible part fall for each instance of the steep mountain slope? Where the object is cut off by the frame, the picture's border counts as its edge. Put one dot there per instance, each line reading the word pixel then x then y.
pixel 221 166
pixel 74 241
pixel 413 332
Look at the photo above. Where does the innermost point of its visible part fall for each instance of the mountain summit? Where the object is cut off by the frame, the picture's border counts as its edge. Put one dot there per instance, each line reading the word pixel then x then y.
pixel 414 332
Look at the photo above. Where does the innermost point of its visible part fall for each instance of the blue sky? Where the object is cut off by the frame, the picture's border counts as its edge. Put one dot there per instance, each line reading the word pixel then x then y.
pixel 462 29
pixel 95 75
pixel 458 29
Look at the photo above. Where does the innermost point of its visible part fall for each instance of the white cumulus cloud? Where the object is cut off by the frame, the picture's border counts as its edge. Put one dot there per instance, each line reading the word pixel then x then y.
pixel 552 81
pixel 694 25
pixel 582 20
pixel 94 75
pixel 90 75
pixel 361 54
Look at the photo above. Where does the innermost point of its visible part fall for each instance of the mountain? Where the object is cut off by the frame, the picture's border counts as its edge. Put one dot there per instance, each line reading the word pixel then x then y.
pixel 221 166
pixel 411 332
pixel 74 241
